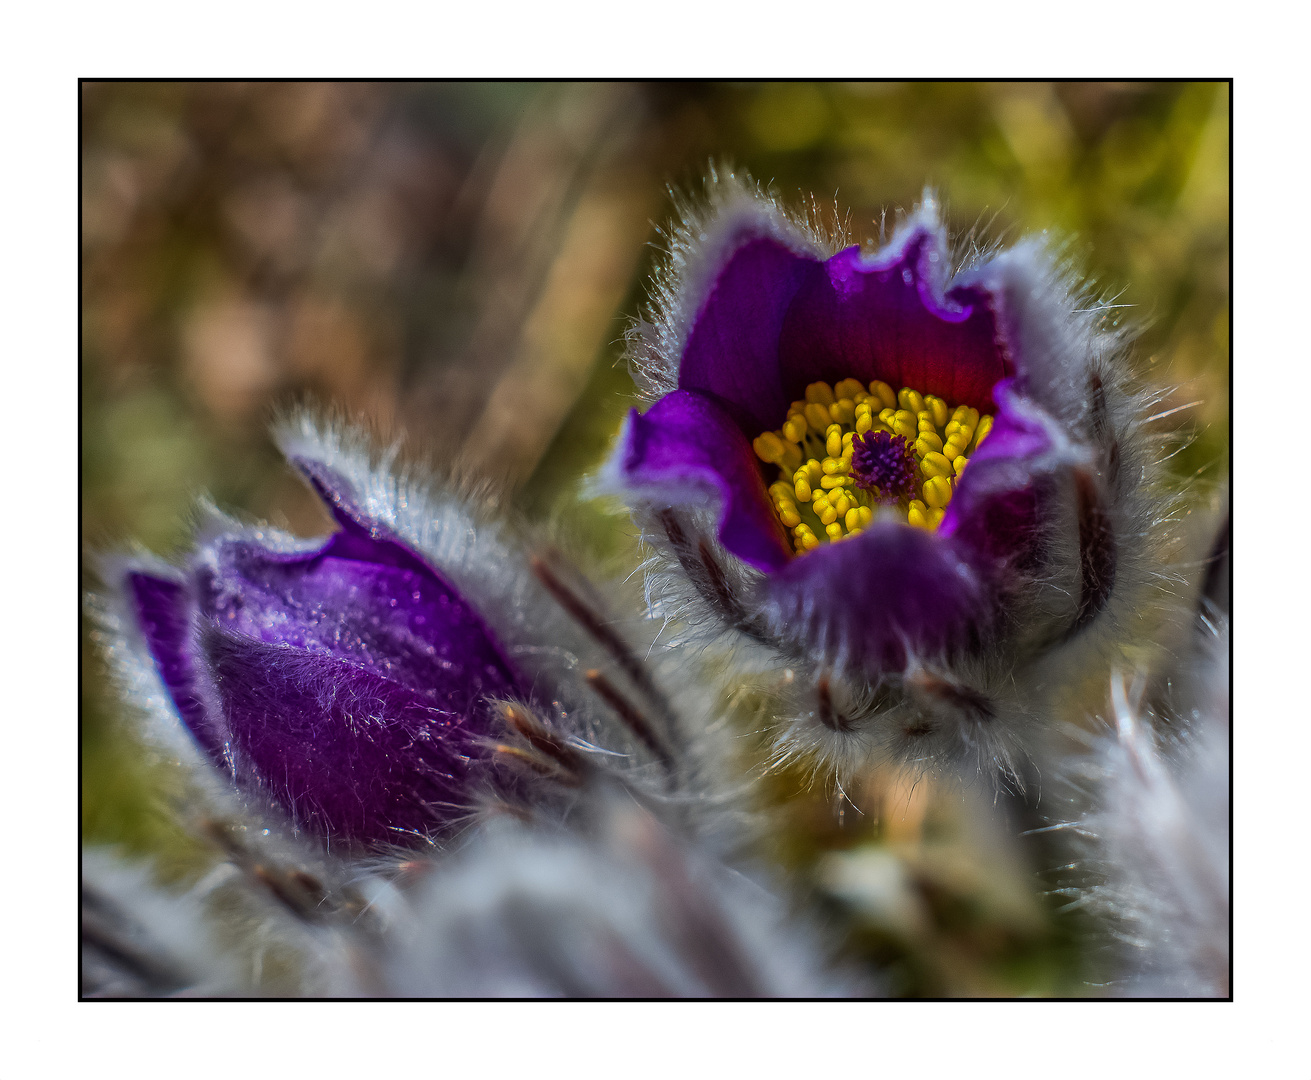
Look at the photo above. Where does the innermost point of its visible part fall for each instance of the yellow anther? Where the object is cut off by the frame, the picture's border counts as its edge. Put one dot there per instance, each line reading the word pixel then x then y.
pixel 848 437
pixel 819 502
pixel 791 457
pixel 887 416
pixel 938 409
pixel 910 400
pixel 835 466
pixel 959 462
pixel 834 530
pixel 848 388
pixel 817 417
pixel 789 516
pixel 843 411
pixel 924 419
pixel 864 421
pixel 780 490
pixel 918 514
pixel 883 392
pixel 958 427
pixel 937 491
pixel 903 424
pixel 810 541
pixel 768 447
pixel 934 464
pixel 852 519
pixel 960 413
pixel 964 422
pixel 801 485
pixel 935 516
pixel 985 426
pixel 955 445
pixel 820 393
pixel 828 515
pixel 866 515
pixel 833 440
pixel 795 428
pixel 828 483
pixel 813 471
pixel 842 504
pixel 928 442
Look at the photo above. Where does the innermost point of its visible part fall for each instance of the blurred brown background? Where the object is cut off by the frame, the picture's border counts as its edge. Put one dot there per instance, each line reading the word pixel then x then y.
pixel 457 261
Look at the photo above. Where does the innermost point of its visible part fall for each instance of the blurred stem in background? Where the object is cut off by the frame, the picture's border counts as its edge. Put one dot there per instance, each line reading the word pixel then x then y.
pixel 457 262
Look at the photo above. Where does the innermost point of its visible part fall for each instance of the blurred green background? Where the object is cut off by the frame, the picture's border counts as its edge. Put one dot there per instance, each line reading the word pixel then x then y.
pixel 458 261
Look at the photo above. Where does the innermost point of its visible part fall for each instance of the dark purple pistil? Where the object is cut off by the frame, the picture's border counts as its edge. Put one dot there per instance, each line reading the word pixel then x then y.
pixel 884 465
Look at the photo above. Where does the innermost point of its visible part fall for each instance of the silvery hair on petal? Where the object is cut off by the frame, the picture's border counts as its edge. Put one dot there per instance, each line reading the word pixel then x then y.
pixel 268 921
pixel 1155 838
pixel 139 940
pixel 732 210
pixel 620 907
pixel 627 910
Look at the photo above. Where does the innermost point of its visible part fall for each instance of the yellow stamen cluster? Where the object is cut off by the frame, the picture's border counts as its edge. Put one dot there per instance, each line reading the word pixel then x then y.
pixel 817 498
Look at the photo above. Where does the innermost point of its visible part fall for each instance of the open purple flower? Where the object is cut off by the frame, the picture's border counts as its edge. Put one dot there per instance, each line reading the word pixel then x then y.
pixel 346 679
pixel 866 461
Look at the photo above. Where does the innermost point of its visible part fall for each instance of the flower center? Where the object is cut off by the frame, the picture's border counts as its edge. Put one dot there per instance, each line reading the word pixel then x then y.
pixel 845 450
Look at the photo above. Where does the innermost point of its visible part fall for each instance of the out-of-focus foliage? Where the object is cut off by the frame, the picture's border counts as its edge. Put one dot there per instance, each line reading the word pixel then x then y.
pixel 457 262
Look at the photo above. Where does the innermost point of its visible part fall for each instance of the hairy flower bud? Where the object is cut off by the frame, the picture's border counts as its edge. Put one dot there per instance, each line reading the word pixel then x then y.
pixel 346 678
pixel 382 685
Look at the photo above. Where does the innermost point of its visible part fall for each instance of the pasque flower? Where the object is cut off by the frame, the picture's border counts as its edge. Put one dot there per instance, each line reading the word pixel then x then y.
pixel 385 683
pixel 345 677
pixel 916 479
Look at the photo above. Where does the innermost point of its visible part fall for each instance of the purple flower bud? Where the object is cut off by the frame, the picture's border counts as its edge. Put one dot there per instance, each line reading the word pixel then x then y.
pixel 917 481
pixel 346 679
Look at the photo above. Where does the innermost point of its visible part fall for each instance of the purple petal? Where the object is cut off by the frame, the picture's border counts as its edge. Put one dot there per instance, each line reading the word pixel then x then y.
pixel 407 625
pixel 863 319
pixel 345 751
pixel 686 447
pixel 732 352
pixel 869 599
pixel 165 611
pixel 364 596
pixel 995 511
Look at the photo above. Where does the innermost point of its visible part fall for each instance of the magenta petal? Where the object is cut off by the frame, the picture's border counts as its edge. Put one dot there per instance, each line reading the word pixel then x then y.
pixel 732 351
pixel 164 611
pixel 344 750
pixel 872 599
pixel 859 318
pixel 685 445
